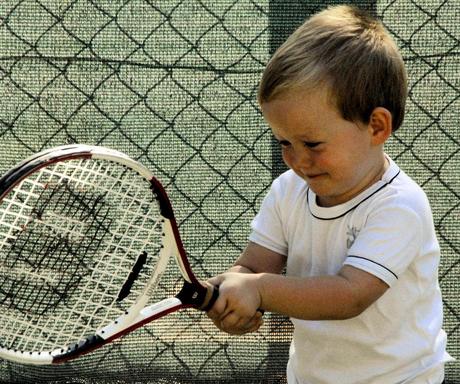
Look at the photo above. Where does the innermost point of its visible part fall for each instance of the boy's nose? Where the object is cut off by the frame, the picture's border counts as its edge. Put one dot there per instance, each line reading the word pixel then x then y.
pixel 303 161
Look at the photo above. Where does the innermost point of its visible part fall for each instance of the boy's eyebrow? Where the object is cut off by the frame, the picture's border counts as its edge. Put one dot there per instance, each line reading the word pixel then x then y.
pixel 276 137
pixel 303 138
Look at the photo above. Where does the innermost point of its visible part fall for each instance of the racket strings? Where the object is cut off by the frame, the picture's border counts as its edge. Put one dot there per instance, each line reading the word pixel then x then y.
pixel 70 233
pixel 51 265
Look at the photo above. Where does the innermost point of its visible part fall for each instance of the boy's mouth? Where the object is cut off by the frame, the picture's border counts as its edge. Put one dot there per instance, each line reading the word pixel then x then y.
pixel 314 176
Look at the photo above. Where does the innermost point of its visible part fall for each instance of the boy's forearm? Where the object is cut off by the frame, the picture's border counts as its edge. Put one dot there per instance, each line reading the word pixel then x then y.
pixel 315 298
pixel 327 297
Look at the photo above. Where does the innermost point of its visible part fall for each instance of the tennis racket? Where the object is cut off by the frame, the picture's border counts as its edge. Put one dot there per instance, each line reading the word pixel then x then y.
pixel 86 234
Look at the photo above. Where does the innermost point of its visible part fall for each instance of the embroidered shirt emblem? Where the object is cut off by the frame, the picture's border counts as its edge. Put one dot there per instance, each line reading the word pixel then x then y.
pixel 352 234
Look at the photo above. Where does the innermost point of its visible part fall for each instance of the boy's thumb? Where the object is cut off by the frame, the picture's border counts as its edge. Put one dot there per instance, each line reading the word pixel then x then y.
pixel 216 280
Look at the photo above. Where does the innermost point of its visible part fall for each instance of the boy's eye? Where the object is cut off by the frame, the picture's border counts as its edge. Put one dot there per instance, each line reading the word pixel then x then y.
pixel 283 143
pixel 311 144
pixel 308 144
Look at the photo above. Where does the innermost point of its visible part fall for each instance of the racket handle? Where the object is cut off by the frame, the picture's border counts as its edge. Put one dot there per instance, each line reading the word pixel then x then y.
pixel 211 297
pixel 201 295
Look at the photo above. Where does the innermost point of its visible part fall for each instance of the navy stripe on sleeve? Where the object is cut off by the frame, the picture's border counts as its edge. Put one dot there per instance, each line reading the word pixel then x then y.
pixel 372 261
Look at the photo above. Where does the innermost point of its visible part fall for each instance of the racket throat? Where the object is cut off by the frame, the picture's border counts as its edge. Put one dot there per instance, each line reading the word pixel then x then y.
pixel 199 296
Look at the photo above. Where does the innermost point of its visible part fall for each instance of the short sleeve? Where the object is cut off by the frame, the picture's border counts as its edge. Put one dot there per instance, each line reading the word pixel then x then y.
pixel 267 226
pixel 388 242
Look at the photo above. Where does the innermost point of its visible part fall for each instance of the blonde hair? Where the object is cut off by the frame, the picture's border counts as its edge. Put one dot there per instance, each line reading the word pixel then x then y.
pixel 349 52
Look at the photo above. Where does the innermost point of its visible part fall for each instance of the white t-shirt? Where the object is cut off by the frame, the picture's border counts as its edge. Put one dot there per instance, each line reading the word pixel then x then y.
pixel 387 231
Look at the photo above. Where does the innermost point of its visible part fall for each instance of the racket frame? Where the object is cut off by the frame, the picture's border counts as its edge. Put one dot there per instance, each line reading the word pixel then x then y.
pixel 193 293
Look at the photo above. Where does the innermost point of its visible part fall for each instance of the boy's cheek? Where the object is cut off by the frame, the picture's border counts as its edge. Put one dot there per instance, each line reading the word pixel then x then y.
pixel 287 158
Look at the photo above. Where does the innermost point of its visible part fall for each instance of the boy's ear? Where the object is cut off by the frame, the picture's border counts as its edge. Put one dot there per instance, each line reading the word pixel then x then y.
pixel 380 125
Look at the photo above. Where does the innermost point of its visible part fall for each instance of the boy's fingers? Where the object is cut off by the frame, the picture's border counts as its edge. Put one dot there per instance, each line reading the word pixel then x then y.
pixel 216 280
pixel 220 309
pixel 219 306
pixel 247 328
pixel 259 314
pixel 237 325
pixel 255 326
pixel 217 310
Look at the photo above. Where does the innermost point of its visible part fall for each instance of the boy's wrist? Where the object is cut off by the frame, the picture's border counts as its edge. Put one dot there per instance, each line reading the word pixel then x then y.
pixel 240 269
pixel 262 287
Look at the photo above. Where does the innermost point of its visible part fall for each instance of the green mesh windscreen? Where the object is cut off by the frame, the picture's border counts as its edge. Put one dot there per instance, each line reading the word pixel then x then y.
pixel 173 84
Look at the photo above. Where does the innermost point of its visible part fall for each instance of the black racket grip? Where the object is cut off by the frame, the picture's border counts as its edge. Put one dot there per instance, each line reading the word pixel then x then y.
pixel 212 300
pixel 198 295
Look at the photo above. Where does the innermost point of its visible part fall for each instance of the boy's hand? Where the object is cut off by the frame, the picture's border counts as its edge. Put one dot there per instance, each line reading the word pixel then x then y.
pixel 236 309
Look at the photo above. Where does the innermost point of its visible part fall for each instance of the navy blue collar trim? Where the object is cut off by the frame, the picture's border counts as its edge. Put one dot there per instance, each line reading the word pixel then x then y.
pixel 355 206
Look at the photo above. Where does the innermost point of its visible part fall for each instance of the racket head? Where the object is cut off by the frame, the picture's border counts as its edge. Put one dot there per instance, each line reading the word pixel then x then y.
pixel 75 223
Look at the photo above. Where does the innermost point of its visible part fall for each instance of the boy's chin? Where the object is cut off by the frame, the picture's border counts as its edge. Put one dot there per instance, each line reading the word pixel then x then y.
pixel 328 199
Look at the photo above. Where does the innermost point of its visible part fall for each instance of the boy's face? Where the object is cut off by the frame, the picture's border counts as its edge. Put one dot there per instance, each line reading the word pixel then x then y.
pixel 337 158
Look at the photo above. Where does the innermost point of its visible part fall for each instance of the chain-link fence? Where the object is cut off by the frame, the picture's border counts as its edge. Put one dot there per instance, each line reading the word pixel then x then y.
pixel 173 84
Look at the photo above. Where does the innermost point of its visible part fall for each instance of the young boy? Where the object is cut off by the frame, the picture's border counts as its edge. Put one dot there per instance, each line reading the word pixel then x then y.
pixel 353 231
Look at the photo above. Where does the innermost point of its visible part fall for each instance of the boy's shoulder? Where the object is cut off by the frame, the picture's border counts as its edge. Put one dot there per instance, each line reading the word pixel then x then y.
pixel 288 190
pixel 402 189
pixel 396 198
pixel 289 183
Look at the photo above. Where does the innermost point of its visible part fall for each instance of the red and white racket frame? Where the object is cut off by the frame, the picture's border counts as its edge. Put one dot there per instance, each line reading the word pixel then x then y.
pixel 194 294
